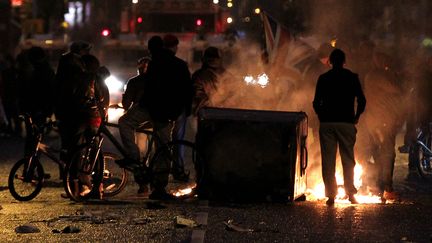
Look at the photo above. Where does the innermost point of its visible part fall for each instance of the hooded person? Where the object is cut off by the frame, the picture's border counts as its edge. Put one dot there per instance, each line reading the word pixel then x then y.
pixel 211 82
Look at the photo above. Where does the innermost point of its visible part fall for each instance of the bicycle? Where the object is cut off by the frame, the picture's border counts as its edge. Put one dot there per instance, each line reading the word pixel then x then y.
pixel 420 153
pixel 87 163
pixel 27 174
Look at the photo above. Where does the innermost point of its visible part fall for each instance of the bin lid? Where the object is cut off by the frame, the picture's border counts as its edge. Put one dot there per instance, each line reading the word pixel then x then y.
pixel 211 113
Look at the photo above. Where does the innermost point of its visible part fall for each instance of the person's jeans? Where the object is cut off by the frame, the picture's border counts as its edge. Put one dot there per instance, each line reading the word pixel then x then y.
pixel 179 132
pixel 134 118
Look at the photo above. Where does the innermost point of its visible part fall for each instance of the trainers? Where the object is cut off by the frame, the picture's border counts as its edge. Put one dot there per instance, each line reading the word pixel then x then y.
pixel 330 201
pixel 352 199
pixel 161 195
pixel 393 196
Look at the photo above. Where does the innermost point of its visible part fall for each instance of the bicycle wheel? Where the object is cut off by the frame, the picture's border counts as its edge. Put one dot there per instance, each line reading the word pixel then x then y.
pixel 83 175
pixel 114 177
pixel 22 187
pixel 424 159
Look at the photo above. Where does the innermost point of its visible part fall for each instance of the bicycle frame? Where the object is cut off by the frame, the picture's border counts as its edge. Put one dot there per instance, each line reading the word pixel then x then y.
pixel 151 139
pixel 38 148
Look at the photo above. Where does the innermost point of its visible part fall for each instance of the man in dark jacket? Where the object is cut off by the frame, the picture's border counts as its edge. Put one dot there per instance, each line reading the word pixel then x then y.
pixel 334 103
pixel 70 73
pixel 167 93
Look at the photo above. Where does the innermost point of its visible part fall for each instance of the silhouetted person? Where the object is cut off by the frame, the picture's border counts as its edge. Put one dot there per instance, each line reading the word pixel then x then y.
pixel 334 103
pixel 179 131
pixel 70 72
pixel 10 88
pixel 37 90
pixel 132 95
pixel 166 96
pixel 135 85
pixel 383 119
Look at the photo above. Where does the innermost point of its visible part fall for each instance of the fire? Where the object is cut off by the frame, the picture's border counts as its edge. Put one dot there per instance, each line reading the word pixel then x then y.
pixel 184 191
pixel 318 192
pixel 262 80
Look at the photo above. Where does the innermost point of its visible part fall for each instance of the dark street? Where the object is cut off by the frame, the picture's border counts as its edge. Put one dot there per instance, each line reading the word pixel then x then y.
pixel 128 218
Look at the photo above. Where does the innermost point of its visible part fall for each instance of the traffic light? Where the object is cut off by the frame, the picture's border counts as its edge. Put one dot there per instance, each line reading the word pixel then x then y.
pixel 139 20
pixel 199 22
pixel 106 32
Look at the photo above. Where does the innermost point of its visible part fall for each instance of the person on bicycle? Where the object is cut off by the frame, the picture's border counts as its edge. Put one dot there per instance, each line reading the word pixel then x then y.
pixel 167 94
pixel 37 91
pixel 89 102
pixel 131 96
pixel 135 85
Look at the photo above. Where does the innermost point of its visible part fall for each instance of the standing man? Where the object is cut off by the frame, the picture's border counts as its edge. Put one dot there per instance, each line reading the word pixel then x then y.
pixel 70 72
pixel 167 94
pixel 334 103
pixel 171 42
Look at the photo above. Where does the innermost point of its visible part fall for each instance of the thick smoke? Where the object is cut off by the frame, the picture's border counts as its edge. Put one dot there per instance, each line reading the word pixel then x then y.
pixel 364 30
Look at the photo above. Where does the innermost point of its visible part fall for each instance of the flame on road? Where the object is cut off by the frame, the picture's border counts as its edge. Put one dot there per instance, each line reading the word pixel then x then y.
pixel 317 193
pixel 184 191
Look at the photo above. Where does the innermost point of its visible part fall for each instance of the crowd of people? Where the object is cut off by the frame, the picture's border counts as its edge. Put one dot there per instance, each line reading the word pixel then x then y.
pixel 165 93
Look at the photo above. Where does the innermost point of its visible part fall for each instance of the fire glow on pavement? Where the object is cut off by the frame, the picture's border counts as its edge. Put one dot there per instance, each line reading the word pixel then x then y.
pixel 317 193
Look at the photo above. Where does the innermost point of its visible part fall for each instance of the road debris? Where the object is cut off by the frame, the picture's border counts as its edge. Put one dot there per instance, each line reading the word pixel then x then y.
pixel 67 230
pixel 232 227
pixel 183 222
pixel 27 228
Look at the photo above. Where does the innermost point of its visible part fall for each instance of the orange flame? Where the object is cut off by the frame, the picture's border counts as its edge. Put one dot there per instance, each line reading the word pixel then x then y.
pixel 184 191
pixel 318 192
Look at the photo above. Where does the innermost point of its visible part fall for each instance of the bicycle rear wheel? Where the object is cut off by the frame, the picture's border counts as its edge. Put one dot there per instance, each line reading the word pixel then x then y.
pixel 25 185
pixel 114 177
pixel 83 175
pixel 424 159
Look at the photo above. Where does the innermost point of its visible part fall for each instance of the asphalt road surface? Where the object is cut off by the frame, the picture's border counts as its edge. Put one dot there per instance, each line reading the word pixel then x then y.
pixel 130 218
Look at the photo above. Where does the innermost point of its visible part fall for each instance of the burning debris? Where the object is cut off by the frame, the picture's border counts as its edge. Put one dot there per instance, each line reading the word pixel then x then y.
pixel 183 192
pixel 366 196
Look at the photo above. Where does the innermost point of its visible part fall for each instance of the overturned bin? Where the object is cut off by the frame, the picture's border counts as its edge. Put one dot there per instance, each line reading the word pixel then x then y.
pixel 251 155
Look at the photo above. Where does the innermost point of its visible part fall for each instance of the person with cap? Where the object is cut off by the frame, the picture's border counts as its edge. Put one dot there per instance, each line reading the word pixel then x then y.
pixel 166 96
pixel 334 103
pixel 171 42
